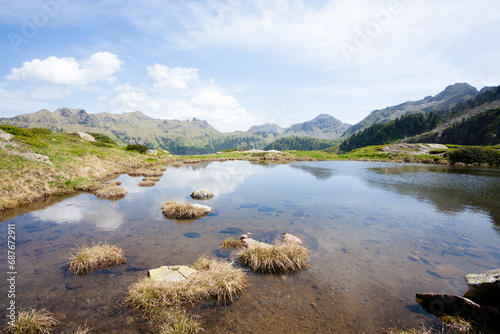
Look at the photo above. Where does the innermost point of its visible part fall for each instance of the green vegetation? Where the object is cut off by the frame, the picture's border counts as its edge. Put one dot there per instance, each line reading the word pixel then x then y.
pixel 101 138
pixel 380 134
pixel 137 147
pixel 98 257
pixel 163 302
pixel 300 143
pixel 475 155
pixel 32 321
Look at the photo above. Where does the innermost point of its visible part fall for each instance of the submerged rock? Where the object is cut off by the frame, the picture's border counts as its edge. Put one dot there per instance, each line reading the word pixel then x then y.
pixel 485 287
pixel 171 273
pixel 202 194
pixel 291 239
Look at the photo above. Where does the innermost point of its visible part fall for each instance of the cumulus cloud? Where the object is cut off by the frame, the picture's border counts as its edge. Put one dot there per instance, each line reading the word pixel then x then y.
pixel 164 77
pixel 68 71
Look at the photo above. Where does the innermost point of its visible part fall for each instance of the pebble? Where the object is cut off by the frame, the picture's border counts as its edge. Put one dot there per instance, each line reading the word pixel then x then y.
pixel 413 258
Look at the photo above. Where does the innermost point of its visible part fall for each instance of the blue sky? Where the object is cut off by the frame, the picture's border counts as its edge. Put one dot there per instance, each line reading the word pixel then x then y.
pixel 242 63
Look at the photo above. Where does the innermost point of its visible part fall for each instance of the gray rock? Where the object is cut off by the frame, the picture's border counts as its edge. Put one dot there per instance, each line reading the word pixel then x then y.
pixel 171 274
pixel 485 287
pixel 152 152
pixel 202 194
pixel 5 136
pixel 37 158
pixel 86 136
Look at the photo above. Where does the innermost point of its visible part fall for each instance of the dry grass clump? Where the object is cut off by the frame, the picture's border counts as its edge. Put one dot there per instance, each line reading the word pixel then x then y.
pixel 110 192
pixel 114 183
pixel 33 321
pixel 98 257
pixel 154 179
pixel 147 183
pixel 407 331
pixel 82 330
pixel 279 258
pixel 159 168
pixel 176 210
pixel 177 164
pixel 146 172
pixel 162 301
pixel 231 243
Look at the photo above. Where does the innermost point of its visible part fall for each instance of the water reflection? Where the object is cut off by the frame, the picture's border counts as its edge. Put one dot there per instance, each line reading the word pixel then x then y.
pixel 103 214
pixel 319 173
pixel 451 190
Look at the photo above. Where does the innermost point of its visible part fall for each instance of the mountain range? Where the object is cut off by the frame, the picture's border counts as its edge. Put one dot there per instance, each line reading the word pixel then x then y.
pixel 199 137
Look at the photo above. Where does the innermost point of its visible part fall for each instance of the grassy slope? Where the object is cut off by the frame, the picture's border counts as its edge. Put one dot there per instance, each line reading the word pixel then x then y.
pixel 77 165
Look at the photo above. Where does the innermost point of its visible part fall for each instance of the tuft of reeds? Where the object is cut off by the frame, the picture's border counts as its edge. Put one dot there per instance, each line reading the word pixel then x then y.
pixel 154 179
pixel 98 257
pixel 32 321
pixel 279 258
pixel 82 330
pixel 147 183
pixel 114 183
pixel 176 210
pixel 177 164
pixel 163 302
pixel 231 243
pixel 110 192
pixel 159 168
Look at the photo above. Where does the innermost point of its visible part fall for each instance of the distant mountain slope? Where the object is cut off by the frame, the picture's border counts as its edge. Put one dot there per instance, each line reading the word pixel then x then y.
pixel 473 122
pixel 448 98
pixel 323 126
pixel 267 128
pixel 300 143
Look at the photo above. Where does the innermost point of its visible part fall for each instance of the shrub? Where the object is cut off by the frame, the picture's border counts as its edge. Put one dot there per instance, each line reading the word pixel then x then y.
pixel 101 138
pixel 98 257
pixel 137 147
pixel 471 155
pixel 32 321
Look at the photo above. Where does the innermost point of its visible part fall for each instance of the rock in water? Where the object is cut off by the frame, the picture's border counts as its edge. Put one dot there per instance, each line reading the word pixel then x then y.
pixel 205 208
pixel 171 273
pixel 291 239
pixel 485 288
pixel 202 194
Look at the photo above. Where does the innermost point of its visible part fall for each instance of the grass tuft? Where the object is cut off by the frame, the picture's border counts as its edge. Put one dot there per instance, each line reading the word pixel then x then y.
pixel 279 258
pixel 98 257
pixel 147 183
pixel 231 243
pixel 163 302
pixel 33 321
pixel 176 210
pixel 110 192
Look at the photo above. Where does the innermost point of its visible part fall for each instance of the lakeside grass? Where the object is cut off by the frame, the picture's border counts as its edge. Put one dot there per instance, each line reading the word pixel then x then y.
pixel 182 211
pixel 77 165
pixel 33 321
pixel 275 259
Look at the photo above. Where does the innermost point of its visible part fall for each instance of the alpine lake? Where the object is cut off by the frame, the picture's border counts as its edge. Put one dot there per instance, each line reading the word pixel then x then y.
pixel 378 233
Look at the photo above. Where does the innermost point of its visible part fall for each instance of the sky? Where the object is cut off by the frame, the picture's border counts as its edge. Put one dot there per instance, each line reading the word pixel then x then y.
pixel 241 63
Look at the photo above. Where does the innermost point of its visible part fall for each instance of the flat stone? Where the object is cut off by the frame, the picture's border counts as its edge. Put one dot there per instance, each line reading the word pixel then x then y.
pixel 171 274
pixel 205 208
pixel 232 230
pixel 291 239
pixel 413 258
pixel 37 158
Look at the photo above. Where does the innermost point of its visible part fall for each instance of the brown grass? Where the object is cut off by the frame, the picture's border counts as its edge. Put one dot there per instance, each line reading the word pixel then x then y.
pixel 110 192
pixel 162 302
pixel 176 210
pixel 177 164
pixel 98 257
pixel 114 183
pixel 159 168
pixel 231 243
pixel 154 179
pixel 279 258
pixel 147 183
pixel 33 321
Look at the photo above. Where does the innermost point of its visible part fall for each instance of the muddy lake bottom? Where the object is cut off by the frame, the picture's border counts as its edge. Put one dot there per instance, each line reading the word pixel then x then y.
pixel 378 234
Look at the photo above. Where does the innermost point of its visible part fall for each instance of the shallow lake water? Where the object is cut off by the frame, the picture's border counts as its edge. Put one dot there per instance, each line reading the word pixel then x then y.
pixel 378 234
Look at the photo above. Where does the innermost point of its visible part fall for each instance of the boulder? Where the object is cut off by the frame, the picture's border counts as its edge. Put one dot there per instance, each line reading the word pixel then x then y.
pixel 5 136
pixel 37 158
pixel 202 194
pixel 440 304
pixel 485 288
pixel 152 152
pixel 86 136
pixel 205 208
pixel 171 273
pixel 249 242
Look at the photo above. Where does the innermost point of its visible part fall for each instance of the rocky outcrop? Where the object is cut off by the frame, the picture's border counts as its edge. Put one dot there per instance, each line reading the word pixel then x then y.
pixel 37 158
pixel 5 136
pixel 86 136
pixel 481 303
pixel 171 273
pixel 202 195
pixel 484 288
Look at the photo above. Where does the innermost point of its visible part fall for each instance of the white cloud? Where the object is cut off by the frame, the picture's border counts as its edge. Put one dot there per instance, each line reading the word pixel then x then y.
pixel 215 100
pixel 99 67
pixel 171 78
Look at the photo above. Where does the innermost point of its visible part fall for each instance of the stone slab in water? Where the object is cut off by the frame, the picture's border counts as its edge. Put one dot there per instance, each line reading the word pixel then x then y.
pixel 176 273
pixel 485 287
